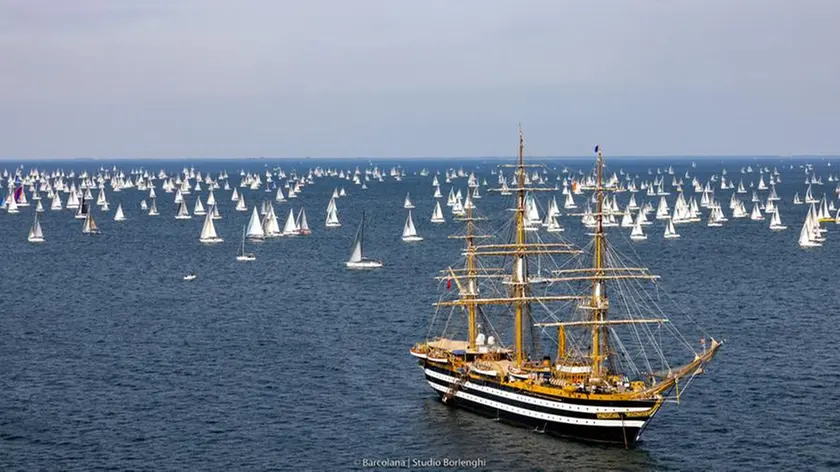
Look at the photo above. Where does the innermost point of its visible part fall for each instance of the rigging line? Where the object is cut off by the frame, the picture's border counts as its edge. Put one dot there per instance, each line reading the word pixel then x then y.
pixel 667 295
pixel 635 329
pixel 633 288
pixel 655 307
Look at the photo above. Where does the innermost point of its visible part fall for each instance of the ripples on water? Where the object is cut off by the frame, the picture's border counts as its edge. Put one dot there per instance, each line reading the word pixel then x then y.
pixel 292 362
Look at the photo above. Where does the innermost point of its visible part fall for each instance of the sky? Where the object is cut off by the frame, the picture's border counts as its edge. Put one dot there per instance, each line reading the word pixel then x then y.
pixel 412 78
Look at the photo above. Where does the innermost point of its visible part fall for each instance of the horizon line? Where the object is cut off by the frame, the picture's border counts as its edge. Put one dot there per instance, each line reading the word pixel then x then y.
pixel 420 158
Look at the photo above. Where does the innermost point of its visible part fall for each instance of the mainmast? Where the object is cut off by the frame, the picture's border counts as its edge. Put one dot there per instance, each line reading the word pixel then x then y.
pixel 599 303
pixel 471 282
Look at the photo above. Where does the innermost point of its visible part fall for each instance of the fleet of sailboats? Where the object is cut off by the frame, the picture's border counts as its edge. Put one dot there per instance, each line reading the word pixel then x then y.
pixel 663 196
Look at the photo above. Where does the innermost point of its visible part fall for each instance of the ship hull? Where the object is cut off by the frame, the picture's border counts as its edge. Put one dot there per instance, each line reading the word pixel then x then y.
pixel 619 423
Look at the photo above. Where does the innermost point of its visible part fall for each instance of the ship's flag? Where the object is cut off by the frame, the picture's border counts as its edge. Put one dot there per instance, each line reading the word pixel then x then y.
pixel 448 284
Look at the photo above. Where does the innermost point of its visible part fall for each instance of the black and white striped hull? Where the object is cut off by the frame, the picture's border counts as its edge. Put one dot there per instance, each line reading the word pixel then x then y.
pixel 617 422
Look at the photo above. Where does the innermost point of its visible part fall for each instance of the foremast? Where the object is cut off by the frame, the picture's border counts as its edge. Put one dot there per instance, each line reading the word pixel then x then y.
pixel 599 273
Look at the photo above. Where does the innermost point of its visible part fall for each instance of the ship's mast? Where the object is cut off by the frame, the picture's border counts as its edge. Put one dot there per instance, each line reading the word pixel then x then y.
pixel 471 280
pixel 520 275
pixel 599 303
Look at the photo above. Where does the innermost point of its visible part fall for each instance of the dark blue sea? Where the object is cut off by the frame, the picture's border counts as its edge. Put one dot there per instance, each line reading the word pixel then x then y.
pixel 108 360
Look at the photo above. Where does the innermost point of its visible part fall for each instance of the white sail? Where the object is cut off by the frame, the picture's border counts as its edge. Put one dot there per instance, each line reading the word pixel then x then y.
pixel 409 231
pixel 554 225
pixel 255 229
pixel 637 233
pixel 662 210
pixel 89 226
pixel 240 204
pixel 280 197
pixel 153 211
pixel 806 237
pixel 302 224
pixel 36 235
pixel 776 222
pixel 356 253
pixel 437 214
pixel 270 224
pixel 119 215
pixel 183 211
pixel 670 232
pixel 570 202
pixel 198 210
pixel 407 203
pixel 332 215
pixel 208 231
pixel 11 204
pixel 211 199
pixel 290 229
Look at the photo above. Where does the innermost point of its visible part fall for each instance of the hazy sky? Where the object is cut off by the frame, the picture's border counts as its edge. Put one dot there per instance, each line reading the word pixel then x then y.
pixel 383 78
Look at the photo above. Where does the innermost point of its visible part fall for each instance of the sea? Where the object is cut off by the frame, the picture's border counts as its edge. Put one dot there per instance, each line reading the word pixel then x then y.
pixel 109 360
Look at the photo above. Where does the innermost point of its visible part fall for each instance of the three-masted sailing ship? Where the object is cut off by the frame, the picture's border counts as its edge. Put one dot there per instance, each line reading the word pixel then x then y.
pixel 610 373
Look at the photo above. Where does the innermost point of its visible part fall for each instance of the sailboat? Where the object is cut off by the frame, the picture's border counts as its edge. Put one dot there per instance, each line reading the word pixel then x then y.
pixel 670 231
pixel 153 211
pixel 89 226
pixel 208 231
pixel 409 231
pixel 807 238
pixel 240 204
pixel 437 214
pixel 407 203
pixel 183 211
pixel 291 228
pixel 241 255
pixel 357 259
pixel 255 228
pixel 332 215
pixel 302 224
pixel 776 222
pixel 198 209
pixel 36 235
pixel 119 215
pixel 599 385
pixel 637 234
pixel 11 204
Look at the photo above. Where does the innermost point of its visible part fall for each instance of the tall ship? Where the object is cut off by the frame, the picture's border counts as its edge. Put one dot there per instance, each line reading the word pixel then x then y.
pixel 591 354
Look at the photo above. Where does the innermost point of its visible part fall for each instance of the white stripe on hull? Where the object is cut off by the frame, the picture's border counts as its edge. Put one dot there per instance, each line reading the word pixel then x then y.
pixel 536 401
pixel 539 415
